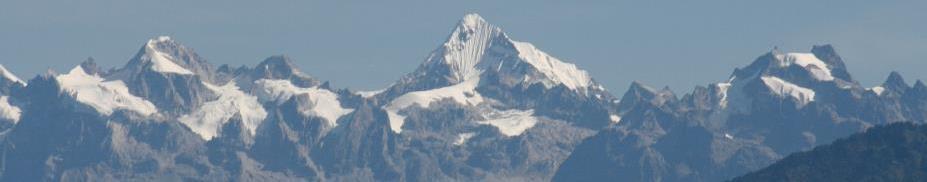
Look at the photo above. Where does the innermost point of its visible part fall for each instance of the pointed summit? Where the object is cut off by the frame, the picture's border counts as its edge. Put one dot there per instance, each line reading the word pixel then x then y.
pixel 895 82
pixel 477 48
pixel 161 39
pixel 828 55
pixel 826 52
pixel 282 67
pixel 920 87
pixel 801 69
pixel 639 93
pixel 474 21
pixel 466 46
pixel 918 92
pixel 168 74
pixel 160 60
pixel 277 66
pixel 90 65
pixel 165 55
pixel 638 87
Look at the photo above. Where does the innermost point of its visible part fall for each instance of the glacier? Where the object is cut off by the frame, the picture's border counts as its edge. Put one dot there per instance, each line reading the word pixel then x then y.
pixel 315 101
pixel 784 88
pixel 211 116
pixel 104 96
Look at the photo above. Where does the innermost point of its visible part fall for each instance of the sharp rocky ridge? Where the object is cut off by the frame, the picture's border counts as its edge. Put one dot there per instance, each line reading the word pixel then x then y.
pixel 481 106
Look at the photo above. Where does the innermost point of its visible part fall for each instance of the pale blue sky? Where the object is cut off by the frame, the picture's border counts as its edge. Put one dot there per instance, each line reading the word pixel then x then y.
pixel 367 45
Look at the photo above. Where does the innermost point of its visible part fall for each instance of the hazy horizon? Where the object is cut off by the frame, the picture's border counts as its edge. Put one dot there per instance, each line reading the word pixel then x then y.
pixel 367 46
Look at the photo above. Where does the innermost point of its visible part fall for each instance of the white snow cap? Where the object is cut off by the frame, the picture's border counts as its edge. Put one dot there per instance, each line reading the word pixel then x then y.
pixel 615 118
pixel 466 47
pixel 463 138
pixel 728 136
pixel 313 101
pixel 211 116
pixel 783 88
pixel 10 76
pixel 473 20
pixel 163 38
pixel 8 111
pixel 819 70
pixel 723 91
pixel 104 96
pixel 556 71
pixel 877 90
pixel 511 122
pixel 476 46
pixel 160 61
pixel 371 93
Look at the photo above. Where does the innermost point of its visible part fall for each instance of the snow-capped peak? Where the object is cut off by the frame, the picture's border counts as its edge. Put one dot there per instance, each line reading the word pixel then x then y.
pixel 466 47
pixel 818 69
pixel 10 76
pixel 282 67
pixel 476 47
pixel 161 61
pixel 166 56
pixel 772 69
pixel 473 21
pixel 162 39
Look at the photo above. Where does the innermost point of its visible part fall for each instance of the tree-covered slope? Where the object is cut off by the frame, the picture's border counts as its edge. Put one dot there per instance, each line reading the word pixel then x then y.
pixel 895 152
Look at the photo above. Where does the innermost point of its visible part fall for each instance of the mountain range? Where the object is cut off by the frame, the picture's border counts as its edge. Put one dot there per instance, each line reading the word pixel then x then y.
pixel 481 107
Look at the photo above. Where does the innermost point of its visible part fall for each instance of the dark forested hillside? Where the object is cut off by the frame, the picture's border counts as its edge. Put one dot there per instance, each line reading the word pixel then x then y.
pixel 893 152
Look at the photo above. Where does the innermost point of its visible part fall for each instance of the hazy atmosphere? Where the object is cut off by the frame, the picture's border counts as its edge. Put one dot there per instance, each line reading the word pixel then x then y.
pixel 463 91
pixel 368 45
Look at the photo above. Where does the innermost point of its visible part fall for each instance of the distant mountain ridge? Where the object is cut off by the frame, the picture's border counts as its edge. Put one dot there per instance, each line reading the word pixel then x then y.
pixel 481 107
pixel 779 104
